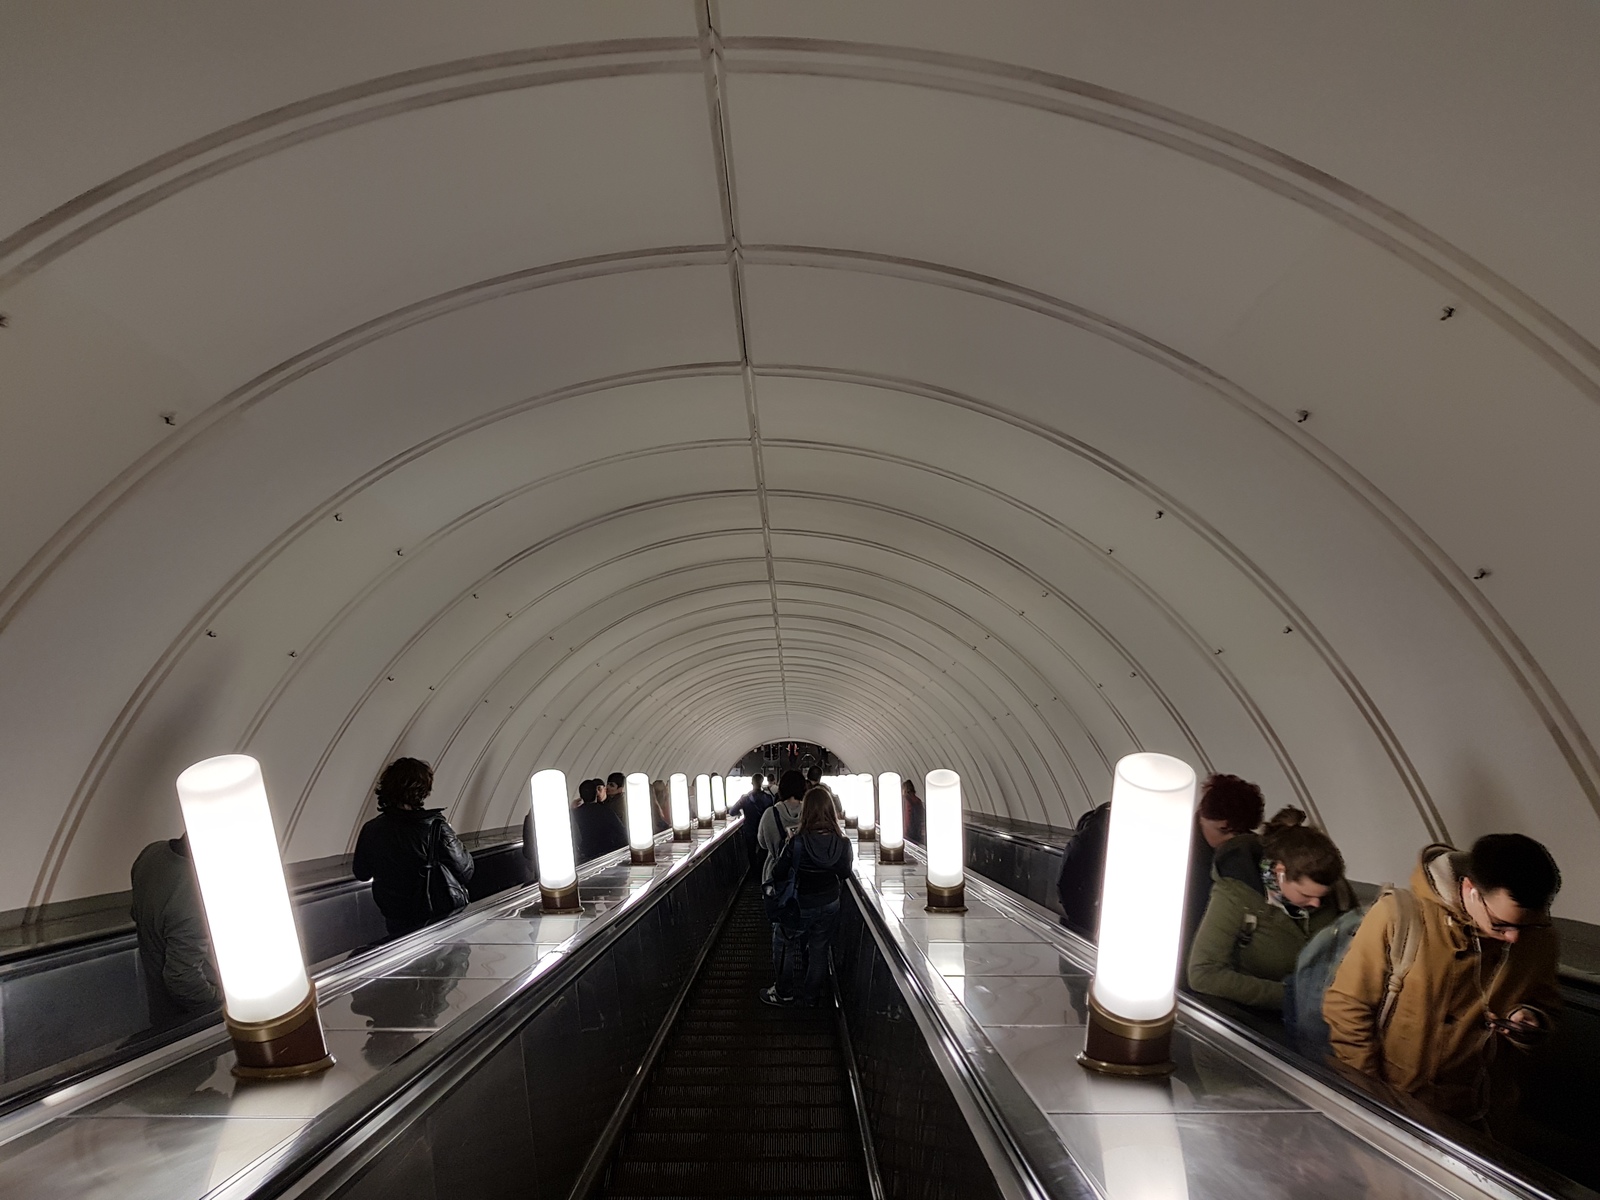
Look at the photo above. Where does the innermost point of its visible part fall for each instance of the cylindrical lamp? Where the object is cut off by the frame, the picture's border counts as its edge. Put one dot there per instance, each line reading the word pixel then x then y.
pixel 719 799
pixel 552 831
pixel 268 1002
pixel 844 788
pixel 641 829
pixel 702 800
pixel 891 822
pixel 947 875
pixel 678 789
pixel 866 809
pixel 1133 1000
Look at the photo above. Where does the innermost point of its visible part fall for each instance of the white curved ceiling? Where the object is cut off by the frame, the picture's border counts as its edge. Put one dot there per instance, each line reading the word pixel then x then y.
pixel 1003 386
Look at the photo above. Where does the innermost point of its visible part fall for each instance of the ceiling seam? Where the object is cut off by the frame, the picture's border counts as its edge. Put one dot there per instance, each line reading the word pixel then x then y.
pixel 711 55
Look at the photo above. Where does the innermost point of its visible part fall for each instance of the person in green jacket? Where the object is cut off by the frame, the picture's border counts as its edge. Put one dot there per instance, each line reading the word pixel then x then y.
pixel 1271 894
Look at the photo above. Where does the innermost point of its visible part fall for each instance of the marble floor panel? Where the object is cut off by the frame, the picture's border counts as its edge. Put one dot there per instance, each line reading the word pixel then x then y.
pixel 1002 958
pixel 1046 1000
pixel 406 1003
pixel 1253 1156
pixel 205 1086
pixel 466 960
pixel 137 1158
pixel 1044 1060
pixel 924 928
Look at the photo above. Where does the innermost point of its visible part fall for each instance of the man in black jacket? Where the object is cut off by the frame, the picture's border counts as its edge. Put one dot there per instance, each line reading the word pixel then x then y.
pixel 418 866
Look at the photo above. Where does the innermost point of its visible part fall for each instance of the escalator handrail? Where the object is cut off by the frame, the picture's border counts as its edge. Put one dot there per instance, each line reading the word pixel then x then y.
pixel 945 1044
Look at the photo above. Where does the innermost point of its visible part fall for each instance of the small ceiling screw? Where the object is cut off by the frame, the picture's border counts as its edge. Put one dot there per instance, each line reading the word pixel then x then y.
pixel 400 552
pixel 1218 652
pixel 294 654
pixel 211 633
pixel 338 516
pixel 1302 415
pixel 1449 311
pixel 5 321
pixel 1482 573
pixel 169 418
pixel 1160 512
pixel 391 679
pixel 1288 628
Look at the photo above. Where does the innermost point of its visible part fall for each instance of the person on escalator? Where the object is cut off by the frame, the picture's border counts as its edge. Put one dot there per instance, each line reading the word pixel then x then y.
pixel 804 891
pixel 180 979
pixel 916 813
pixel 418 867
pixel 781 819
pixel 1469 956
pixel 596 827
pixel 1229 808
pixel 752 806
pixel 1270 895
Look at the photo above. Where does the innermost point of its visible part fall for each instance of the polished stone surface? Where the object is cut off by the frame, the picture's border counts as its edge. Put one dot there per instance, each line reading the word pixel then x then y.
pixel 1021 999
pixel 1044 1059
pixel 465 960
pixel 134 1158
pixel 1248 1156
pixel 1000 958
pixel 406 1003
pixel 924 928
pixel 205 1086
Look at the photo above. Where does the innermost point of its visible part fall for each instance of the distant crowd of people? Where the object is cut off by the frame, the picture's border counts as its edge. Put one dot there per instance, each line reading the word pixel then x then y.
pixel 1417 993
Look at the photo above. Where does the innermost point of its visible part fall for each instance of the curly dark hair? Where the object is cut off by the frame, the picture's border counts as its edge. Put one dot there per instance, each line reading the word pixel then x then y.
pixel 405 783
pixel 1236 802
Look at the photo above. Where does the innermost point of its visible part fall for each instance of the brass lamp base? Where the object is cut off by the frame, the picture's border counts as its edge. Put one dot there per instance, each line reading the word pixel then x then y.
pixel 283 1048
pixel 891 854
pixel 682 835
pixel 704 822
pixel 947 899
pixel 642 858
pixel 867 835
pixel 1119 1046
pixel 850 822
pixel 560 900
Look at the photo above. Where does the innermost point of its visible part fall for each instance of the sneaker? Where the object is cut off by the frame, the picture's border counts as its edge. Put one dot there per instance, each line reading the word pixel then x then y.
pixel 769 995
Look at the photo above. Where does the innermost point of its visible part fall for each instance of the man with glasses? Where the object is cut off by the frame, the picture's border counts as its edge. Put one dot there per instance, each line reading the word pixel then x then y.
pixel 1482 979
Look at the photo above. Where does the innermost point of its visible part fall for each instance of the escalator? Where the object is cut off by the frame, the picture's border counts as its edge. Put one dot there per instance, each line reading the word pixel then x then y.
pixel 744 1099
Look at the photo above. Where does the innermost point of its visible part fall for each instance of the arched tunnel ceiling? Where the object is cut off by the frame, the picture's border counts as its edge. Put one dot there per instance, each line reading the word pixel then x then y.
pixel 1006 387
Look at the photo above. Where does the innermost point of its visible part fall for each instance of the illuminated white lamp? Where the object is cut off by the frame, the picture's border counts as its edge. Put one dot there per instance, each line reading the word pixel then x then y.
pixel 269 1003
pixel 866 816
pixel 891 821
pixel 719 799
pixel 641 829
pixel 702 800
pixel 947 876
pixel 678 789
pixel 552 833
pixel 844 788
pixel 1133 1000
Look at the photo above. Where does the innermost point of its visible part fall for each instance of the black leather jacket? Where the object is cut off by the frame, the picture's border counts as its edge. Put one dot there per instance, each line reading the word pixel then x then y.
pixel 394 850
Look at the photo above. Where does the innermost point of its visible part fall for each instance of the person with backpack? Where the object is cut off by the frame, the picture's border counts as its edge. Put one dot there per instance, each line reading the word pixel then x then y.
pixel 781 819
pixel 1270 896
pixel 418 867
pixel 1437 983
pixel 802 897
pixel 752 806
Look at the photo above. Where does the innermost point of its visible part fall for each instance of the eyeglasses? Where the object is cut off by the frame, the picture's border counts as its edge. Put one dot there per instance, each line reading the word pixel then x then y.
pixel 1500 926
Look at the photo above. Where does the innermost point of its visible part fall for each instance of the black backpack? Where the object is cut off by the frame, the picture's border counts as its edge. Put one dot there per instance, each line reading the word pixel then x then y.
pixel 444 893
pixel 780 894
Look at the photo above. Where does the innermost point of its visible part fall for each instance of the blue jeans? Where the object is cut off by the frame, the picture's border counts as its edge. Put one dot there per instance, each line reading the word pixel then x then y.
pixel 800 949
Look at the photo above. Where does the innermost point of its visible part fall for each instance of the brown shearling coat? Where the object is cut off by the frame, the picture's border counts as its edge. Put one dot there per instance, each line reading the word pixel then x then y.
pixel 1438 1046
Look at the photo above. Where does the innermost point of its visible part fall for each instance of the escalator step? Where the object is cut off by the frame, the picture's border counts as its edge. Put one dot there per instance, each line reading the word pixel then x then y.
pixel 745 1099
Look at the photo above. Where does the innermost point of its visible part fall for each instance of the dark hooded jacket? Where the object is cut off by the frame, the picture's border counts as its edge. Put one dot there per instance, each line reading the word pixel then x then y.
pixel 180 978
pixel 394 850
pixel 822 860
